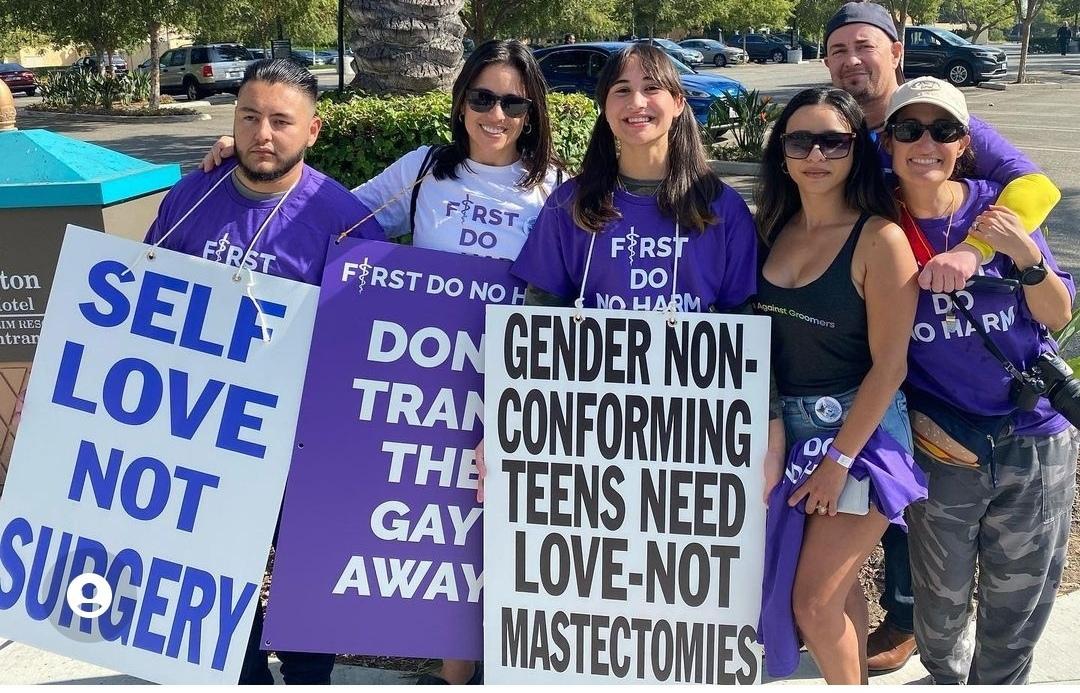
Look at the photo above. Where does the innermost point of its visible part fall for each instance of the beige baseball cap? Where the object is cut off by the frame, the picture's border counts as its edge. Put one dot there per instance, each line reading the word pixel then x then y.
pixel 932 91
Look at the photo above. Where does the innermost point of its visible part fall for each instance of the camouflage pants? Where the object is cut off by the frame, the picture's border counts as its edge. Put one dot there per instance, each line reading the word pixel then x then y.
pixel 1016 531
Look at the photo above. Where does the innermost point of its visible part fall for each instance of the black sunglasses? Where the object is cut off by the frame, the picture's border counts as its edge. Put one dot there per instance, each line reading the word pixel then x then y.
pixel 943 131
pixel 832 145
pixel 482 101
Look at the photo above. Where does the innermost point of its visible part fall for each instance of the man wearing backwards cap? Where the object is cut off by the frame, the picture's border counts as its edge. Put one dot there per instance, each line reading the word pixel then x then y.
pixel 864 55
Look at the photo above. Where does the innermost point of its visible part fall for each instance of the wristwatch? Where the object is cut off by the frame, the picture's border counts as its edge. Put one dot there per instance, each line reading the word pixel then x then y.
pixel 1034 274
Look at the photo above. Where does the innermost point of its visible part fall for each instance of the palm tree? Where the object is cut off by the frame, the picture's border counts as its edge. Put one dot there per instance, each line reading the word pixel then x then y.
pixel 406 46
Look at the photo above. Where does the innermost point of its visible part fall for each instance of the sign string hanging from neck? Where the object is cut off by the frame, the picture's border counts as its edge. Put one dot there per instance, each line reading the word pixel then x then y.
pixel 249 285
pixel 669 312
pixel 392 200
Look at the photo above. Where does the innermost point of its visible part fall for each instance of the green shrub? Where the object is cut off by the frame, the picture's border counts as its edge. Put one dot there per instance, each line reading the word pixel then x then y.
pixel 747 117
pixel 76 89
pixel 362 135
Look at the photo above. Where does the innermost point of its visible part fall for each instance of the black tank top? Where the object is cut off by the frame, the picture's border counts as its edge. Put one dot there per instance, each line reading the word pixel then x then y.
pixel 820 344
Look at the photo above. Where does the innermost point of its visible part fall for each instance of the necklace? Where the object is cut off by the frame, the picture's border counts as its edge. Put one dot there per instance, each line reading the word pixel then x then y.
pixel 952 211
pixel 633 186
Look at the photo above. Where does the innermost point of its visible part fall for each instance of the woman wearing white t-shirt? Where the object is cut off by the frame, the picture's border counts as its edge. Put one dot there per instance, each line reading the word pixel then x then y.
pixel 478 195
pixel 481 193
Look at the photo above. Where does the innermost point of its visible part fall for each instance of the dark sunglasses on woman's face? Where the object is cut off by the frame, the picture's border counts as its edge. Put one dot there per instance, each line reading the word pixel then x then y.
pixel 482 101
pixel 943 131
pixel 832 145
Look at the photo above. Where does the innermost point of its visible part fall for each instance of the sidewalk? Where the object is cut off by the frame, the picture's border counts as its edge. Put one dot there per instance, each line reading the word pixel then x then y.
pixel 1055 662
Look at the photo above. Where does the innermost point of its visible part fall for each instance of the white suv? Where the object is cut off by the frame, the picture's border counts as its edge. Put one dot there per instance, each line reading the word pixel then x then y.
pixel 204 69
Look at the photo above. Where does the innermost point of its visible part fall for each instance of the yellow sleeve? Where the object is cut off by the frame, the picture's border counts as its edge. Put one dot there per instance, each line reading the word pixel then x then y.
pixel 1032 197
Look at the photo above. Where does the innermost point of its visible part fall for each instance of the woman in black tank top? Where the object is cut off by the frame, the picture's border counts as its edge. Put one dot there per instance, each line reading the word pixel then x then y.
pixel 838 281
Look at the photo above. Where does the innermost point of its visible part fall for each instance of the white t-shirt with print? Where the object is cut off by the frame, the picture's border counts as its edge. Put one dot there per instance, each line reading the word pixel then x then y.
pixel 483 212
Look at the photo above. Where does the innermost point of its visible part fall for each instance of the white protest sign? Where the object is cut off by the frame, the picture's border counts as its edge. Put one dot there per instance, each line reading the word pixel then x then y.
pixel 153 451
pixel 623 524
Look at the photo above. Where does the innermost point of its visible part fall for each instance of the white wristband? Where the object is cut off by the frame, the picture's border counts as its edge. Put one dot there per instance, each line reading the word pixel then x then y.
pixel 840 458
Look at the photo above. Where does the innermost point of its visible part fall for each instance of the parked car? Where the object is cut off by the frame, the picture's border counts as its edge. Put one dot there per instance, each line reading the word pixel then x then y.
pixel 89 63
pixel 762 47
pixel 811 50
pixel 686 56
pixel 259 53
pixel 575 68
pixel 943 54
pixel 716 52
pixel 307 58
pixel 18 78
pixel 197 71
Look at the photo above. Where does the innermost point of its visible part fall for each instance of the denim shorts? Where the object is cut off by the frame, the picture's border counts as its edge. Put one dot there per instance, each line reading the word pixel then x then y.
pixel 803 417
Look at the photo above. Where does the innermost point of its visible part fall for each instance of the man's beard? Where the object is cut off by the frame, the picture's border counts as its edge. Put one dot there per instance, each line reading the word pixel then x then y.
pixel 274 173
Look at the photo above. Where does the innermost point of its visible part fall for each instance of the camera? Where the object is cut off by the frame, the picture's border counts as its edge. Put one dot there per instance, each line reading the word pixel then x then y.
pixel 1049 377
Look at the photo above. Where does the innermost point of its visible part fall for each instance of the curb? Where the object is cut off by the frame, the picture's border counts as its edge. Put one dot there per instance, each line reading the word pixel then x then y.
pixel 735 168
pixel 177 118
pixel 992 86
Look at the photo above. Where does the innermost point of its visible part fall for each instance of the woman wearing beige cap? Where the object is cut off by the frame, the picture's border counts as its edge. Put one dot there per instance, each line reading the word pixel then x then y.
pixel 984 390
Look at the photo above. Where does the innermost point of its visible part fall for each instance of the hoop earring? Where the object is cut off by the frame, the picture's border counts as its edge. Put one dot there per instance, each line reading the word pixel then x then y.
pixel 783 167
pixel 527 129
pixel 461 117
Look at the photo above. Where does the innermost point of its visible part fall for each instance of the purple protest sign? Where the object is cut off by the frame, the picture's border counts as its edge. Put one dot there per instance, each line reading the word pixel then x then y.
pixel 380 546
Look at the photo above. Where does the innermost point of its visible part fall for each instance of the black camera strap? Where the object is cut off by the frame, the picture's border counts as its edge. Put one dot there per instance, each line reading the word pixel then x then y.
pixel 1012 370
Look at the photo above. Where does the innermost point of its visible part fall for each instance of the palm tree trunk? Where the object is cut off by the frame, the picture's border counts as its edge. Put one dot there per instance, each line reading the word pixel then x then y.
pixel 155 69
pixel 406 46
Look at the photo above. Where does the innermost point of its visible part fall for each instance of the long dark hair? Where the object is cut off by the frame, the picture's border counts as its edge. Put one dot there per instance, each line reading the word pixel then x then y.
pixel 537 150
pixel 689 188
pixel 776 194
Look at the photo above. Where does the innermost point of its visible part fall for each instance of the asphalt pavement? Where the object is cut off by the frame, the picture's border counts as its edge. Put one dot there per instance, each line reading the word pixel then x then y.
pixel 1055 662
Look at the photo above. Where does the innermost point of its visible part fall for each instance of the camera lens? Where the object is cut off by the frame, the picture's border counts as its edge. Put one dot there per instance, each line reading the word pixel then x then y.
pixel 1064 397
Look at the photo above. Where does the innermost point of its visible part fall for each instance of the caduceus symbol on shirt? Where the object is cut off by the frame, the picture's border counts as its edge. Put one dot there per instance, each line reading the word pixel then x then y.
pixel 466 205
pixel 222 246
pixel 361 279
pixel 631 245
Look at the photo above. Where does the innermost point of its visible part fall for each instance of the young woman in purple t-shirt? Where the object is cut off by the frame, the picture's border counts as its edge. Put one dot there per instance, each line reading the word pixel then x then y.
pixel 839 282
pixel 646 225
pixel 1001 476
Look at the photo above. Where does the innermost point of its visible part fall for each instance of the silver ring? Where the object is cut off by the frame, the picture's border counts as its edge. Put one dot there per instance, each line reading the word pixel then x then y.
pixel 821 510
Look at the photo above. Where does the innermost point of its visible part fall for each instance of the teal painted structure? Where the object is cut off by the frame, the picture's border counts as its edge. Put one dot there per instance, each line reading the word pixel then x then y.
pixel 39 168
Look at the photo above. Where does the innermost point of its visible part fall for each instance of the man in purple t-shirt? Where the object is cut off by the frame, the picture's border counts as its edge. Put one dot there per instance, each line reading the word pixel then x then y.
pixel 270 213
pixel 863 54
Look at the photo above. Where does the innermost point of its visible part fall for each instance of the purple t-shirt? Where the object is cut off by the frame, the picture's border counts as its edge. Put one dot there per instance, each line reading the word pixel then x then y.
pixel 293 246
pixel 996 159
pixel 895 483
pixel 633 259
pixel 948 360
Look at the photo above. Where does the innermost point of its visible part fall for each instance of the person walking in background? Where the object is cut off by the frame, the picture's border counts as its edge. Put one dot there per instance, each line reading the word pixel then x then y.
pixel 1064 36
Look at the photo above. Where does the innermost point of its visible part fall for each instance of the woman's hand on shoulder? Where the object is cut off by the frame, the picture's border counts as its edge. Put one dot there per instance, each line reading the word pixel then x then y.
pixel 224 148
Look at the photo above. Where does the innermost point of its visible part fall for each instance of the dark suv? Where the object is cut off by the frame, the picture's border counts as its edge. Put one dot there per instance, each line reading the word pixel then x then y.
pixel 762 47
pixel 943 54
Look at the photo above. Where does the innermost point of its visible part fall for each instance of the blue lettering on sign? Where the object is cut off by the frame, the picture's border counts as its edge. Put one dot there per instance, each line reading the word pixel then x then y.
pixel 103 480
pixel 143 378
pixel 105 277
pixel 161 623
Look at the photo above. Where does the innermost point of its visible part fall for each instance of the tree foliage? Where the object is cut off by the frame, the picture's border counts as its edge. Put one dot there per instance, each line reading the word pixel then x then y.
pixel 979 15
pixel 257 22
